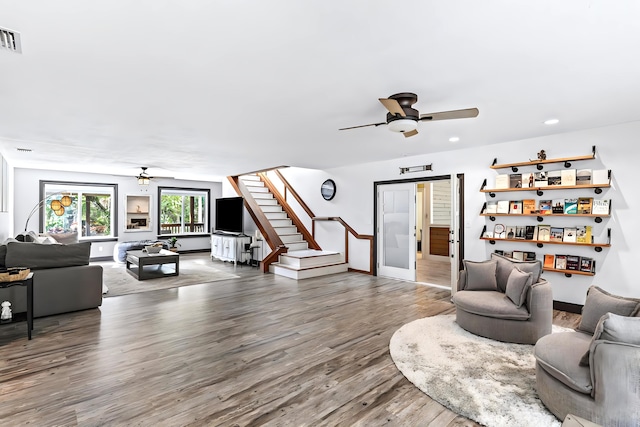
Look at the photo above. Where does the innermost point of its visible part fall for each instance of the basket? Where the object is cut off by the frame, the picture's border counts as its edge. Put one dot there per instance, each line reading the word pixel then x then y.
pixel 14 274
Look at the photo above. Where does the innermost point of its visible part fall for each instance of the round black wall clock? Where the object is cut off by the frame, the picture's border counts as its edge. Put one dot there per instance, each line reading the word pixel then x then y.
pixel 328 189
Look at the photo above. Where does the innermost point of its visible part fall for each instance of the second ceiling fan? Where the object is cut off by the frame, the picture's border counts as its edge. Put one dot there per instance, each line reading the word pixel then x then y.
pixel 404 119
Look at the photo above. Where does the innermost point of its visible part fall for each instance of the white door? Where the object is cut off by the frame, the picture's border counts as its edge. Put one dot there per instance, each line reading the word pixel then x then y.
pixel 454 231
pixel 396 231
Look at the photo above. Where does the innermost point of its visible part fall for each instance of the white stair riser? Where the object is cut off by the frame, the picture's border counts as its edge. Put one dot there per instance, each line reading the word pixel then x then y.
pixel 310 262
pixel 286 230
pixel 250 178
pixel 291 238
pixel 259 196
pixel 280 222
pixel 271 208
pixel 257 190
pixel 297 246
pixel 267 202
pixel 276 215
pixel 305 274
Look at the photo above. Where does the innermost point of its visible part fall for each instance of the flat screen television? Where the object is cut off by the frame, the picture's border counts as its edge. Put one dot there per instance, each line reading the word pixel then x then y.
pixel 229 215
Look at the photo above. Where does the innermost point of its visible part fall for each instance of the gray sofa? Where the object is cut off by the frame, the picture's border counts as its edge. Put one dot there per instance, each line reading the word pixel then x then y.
pixel 504 299
pixel 594 371
pixel 63 280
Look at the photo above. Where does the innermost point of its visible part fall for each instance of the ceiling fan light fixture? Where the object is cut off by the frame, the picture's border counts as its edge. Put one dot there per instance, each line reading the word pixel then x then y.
pixel 143 180
pixel 402 125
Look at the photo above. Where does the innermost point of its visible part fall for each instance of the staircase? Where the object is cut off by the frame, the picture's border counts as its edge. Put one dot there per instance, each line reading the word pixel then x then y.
pixel 299 262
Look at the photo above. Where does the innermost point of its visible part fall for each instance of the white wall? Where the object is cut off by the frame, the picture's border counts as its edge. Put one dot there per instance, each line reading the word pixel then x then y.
pixel 617 150
pixel 27 191
pixel 6 218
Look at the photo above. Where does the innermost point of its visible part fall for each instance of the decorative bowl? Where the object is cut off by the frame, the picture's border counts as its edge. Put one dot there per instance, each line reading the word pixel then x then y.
pixel 152 249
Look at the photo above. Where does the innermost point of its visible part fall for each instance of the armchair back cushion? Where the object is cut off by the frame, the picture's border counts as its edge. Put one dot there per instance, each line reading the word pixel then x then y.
pixel 518 286
pixel 599 303
pixel 614 328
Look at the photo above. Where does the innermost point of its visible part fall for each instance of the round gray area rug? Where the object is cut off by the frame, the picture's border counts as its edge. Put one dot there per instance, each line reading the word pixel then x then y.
pixel 490 382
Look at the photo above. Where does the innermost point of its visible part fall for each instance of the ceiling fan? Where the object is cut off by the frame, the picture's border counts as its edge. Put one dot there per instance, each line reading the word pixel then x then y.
pixel 144 178
pixel 404 119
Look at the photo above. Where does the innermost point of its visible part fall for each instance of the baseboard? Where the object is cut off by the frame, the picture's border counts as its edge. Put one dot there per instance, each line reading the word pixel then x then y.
pixel 568 307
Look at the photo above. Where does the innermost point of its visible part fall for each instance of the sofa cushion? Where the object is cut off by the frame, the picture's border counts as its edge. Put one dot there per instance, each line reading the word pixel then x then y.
pixel 599 303
pixel 612 327
pixel 518 286
pixel 39 256
pixel 559 355
pixel 489 304
pixel 481 276
pixel 505 265
pixel 3 255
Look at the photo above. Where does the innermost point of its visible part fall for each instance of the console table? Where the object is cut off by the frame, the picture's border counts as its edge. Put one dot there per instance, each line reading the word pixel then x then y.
pixel 28 283
pixel 227 247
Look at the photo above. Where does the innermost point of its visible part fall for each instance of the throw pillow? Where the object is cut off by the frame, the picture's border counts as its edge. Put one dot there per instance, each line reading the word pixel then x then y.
pixel 612 327
pixel 518 286
pixel 599 303
pixel 481 276
pixel 505 265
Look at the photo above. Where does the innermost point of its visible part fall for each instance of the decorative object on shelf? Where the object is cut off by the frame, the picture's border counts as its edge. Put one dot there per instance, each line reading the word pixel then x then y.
pixel 6 312
pixel 416 169
pixel 57 206
pixel 328 189
pixel 542 155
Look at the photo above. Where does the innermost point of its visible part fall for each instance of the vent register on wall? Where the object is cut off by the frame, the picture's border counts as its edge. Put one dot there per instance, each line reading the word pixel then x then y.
pixel 562 220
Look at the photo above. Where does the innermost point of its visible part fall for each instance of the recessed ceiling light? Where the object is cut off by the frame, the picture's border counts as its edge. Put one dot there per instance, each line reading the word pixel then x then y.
pixel 551 122
pixel 454 139
pixel 24 150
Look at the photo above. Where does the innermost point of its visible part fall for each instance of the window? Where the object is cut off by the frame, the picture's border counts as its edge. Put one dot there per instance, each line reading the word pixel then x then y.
pixel 183 210
pixel 87 211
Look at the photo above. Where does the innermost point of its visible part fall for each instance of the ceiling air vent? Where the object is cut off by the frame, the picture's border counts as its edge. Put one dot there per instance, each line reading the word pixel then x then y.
pixel 10 40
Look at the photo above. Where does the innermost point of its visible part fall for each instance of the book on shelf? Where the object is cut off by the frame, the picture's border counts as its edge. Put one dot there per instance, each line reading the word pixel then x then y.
pixel 529 256
pixel 529 232
pixel 535 232
pixel 554 178
pixel 587 265
pixel 549 261
pixel 499 252
pixel 502 181
pixel 508 254
pixel 600 177
pixel 515 207
pixel 583 234
pixel 544 208
pixel 511 232
pixel 488 234
pixel 557 206
pixel 503 207
pixel 556 234
pixel 529 206
pixel 569 235
pixel 520 230
pixel 584 205
pixel 544 233
pixel 570 206
pixel 540 179
pixel 515 180
pixel 528 180
pixel 492 207
pixel 583 177
pixel 573 262
pixel 600 207
pixel 568 177
pixel 561 262
pixel 519 255
pixel 499 231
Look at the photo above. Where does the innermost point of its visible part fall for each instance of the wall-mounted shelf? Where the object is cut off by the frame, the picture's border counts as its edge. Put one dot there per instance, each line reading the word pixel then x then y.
pixel 541 217
pixel 539 190
pixel 568 273
pixel 539 163
pixel 541 243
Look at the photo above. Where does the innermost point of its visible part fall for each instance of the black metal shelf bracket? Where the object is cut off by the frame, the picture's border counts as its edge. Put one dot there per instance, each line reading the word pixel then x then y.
pixel 598 249
pixel 567 164
pixel 514 169
pixel 493 242
pixel 539 192
pixel 492 218
pixel 539 166
pixel 567 274
pixel 492 194
pixel 597 190
pixel 598 219
pixel 539 245
pixel 540 219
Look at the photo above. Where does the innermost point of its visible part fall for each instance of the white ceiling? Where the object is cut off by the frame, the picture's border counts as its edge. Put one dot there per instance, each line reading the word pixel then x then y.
pixel 203 89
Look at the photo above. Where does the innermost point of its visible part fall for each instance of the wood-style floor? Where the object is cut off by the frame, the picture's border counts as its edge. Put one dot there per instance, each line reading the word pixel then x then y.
pixel 433 270
pixel 258 350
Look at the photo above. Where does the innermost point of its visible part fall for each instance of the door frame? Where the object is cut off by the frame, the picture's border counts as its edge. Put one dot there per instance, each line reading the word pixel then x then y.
pixel 460 239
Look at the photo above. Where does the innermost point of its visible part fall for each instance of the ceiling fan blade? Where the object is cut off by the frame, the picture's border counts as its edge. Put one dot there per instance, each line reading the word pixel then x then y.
pixel 393 106
pixel 364 126
pixel 410 133
pixel 453 114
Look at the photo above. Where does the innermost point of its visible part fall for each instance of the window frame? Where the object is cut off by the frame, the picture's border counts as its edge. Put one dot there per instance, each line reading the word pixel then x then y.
pixel 74 187
pixel 185 190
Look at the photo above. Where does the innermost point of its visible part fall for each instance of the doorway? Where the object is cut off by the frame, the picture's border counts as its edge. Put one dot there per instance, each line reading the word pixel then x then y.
pixel 418 231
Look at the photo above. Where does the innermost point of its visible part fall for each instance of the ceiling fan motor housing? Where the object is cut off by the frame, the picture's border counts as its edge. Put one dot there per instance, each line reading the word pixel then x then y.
pixel 409 121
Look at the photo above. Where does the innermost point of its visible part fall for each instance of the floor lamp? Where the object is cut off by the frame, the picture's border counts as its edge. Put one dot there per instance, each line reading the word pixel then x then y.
pixel 57 206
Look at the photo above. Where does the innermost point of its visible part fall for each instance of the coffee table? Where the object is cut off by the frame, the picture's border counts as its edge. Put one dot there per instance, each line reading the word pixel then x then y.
pixel 138 260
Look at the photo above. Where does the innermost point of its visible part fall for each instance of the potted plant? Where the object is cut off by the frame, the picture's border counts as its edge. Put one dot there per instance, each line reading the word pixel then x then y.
pixel 173 244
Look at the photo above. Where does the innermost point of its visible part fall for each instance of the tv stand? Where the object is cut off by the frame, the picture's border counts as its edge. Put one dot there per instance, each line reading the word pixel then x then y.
pixel 229 247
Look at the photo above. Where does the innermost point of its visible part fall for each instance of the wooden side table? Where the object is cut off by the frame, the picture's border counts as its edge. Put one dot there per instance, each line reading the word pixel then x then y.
pixel 28 283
